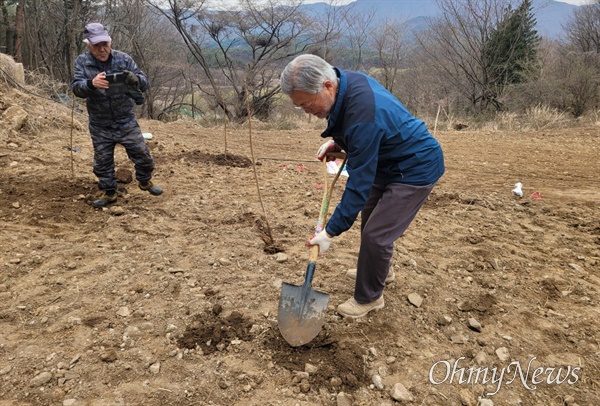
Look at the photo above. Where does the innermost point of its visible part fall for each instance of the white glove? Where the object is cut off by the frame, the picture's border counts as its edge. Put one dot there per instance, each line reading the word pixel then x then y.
pixel 322 240
pixel 329 146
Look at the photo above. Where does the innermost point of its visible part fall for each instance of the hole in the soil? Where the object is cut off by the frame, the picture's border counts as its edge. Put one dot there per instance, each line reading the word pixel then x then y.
pixel 273 248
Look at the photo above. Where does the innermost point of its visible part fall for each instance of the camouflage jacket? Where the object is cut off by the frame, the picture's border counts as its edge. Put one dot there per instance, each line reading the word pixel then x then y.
pixel 103 109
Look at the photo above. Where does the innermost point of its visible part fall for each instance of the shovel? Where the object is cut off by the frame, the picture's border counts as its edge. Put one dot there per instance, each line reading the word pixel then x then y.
pixel 301 308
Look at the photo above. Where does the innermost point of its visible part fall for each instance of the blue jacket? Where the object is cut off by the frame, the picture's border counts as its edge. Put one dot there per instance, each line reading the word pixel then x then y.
pixel 106 110
pixel 383 141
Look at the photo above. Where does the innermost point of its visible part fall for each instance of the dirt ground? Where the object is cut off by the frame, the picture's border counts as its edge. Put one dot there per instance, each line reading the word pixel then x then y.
pixel 172 300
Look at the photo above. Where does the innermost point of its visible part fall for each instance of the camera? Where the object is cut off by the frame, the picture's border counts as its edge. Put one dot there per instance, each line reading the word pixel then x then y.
pixel 115 77
pixel 116 82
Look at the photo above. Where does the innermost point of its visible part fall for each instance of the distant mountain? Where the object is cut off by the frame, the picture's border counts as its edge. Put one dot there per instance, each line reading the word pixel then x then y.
pixel 550 15
pixel 399 9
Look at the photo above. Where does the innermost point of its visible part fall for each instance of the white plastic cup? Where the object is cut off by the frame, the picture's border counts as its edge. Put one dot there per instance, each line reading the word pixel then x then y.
pixel 517 191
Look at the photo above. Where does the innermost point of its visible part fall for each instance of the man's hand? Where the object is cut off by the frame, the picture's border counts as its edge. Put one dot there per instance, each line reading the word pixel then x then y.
pixel 137 96
pixel 131 80
pixel 329 146
pixel 99 81
pixel 323 240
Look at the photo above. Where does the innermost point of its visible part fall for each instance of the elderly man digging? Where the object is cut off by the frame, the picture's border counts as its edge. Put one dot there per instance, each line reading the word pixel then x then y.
pixel 393 162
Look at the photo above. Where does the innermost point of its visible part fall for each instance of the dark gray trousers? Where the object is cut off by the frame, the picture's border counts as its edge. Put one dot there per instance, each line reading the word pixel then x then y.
pixel 387 214
pixel 104 140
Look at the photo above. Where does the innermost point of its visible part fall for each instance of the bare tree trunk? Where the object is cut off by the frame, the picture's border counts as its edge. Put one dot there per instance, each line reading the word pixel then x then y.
pixel 19 31
pixel 583 28
pixel 3 44
pixel 358 28
pixel 33 34
pixel 73 37
pixel 389 42
pixel 456 41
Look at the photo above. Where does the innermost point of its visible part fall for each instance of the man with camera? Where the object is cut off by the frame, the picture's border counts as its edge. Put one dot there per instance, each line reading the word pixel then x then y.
pixel 111 83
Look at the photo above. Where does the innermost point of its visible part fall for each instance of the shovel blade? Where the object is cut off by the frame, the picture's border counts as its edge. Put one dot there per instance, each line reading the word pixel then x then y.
pixel 301 313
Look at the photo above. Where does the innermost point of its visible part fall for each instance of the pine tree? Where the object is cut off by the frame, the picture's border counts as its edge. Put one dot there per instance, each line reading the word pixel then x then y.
pixel 511 49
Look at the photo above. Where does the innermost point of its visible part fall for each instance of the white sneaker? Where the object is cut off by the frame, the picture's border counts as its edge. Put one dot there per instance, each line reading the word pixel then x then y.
pixel 351 273
pixel 351 308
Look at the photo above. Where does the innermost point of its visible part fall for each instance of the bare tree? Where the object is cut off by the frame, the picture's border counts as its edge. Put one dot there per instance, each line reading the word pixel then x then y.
pixel 357 30
pixel 7 34
pixel 456 45
pixel 389 41
pixel 19 30
pixel 156 47
pixel 330 24
pixel 583 28
pixel 52 34
pixel 580 79
pixel 73 27
pixel 242 46
pixel 568 80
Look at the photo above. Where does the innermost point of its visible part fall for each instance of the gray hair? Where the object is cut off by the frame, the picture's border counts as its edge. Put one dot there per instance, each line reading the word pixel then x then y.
pixel 307 73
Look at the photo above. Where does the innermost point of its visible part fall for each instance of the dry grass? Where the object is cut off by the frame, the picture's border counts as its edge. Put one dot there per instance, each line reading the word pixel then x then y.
pixel 284 116
pixel 535 118
pixel 506 121
pixel 545 117
pixel 595 117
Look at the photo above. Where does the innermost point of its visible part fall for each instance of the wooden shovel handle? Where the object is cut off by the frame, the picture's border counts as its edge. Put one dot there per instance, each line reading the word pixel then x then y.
pixel 327 192
pixel 312 257
pixel 336 155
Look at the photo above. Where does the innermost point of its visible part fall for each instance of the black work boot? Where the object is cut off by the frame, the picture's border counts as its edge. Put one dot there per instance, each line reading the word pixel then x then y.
pixel 152 188
pixel 105 200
